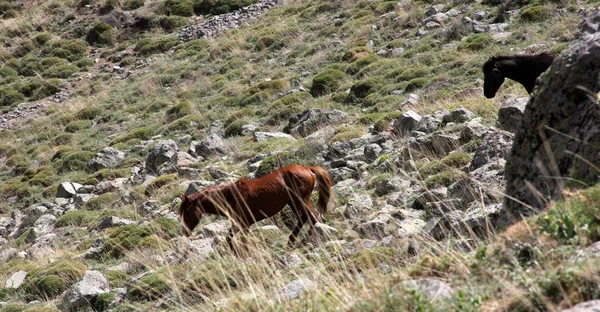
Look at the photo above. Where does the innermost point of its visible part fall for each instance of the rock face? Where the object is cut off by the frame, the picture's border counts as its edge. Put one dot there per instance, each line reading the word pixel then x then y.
pixel 510 113
pixel 162 158
pixel 312 120
pixel 562 136
pixel 106 158
pixel 91 285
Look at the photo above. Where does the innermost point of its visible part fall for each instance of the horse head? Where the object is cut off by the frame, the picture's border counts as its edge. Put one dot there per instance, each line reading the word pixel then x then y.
pixel 189 214
pixel 493 78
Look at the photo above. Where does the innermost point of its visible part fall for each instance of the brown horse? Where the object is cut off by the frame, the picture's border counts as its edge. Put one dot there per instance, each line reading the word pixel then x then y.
pixel 524 69
pixel 246 202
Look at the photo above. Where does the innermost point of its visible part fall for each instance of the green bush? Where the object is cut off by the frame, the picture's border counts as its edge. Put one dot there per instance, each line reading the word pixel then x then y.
pixel 364 87
pixel 110 174
pixel 141 133
pixel 179 7
pixel 326 81
pixel 574 218
pixel 77 125
pixel 88 113
pixel 444 178
pixel 361 63
pixel 10 96
pixel 476 42
pixel 415 84
pixel 101 202
pixel 202 7
pixel 72 161
pixel 235 128
pixel 78 218
pixel 52 280
pixel 61 71
pixel 347 132
pixel 170 23
pixel 535 13
pixel 148 46
pixel 159 182
pixel 115 278
pixel 454 160
pixel 133 4
pixel 63 139
pixel 178 111
pixel 101 34
pixel 5 7
pixel 125 238
pixel 149 287
pixel 41 38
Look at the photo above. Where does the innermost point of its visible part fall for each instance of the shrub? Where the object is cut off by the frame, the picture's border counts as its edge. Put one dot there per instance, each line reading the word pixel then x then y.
pixel 364 87
pixel 110 174
pixel 103 201
pixel 100 34
pixel 43 176
pixel 415 84
pixel 444 178
pixel 115 278
pixel 77 125
pixel 179 7
pixel 61 71
pixel 170 23
pixel 219 6
pixel 149 287
pixel 125 238
pixel 78 218
pixel 159 182
pixel 10 96
pixel 476 42
pixel 148 46
pixel 88 113
pixel 535 13
pixel 53 279
pixel 235 128
pixel 326 81
pixel 269 145
pixel 133 4
pixel 63 139
pixel 142 133
pixel 347 132
pixel 72 161
pixel 178 111
pixel 41 38
pixel 454 160
pixel 361 63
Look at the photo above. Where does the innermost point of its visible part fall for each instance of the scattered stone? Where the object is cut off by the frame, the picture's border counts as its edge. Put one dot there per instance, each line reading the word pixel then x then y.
pixel 406 123
pixel 107 157
pixel 162 158
pixel 433 289
pixel 313 119
pixel 262 136
pixel 296 288
pixel 16 280
pixel 67 189
pixel 211 146
pixel 85 291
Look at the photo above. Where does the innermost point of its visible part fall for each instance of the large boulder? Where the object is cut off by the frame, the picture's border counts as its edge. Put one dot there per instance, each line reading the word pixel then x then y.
pixel 406 123
pixel 511 112
pixel 42 226
pixel 162 158
pixel 561 140
pixel 106 158
pixel 85 291
pixel 212 145
pixel 67 189
pixel 313 119
pixel 495 147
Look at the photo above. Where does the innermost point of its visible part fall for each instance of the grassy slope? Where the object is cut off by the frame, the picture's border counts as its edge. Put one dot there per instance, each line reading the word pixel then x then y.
pixel 226 78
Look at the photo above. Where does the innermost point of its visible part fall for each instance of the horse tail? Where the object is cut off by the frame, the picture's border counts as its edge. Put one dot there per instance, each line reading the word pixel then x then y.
pixel 324 183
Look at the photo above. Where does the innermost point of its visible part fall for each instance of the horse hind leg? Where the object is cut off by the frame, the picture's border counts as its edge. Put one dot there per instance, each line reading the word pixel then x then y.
pixel 302 218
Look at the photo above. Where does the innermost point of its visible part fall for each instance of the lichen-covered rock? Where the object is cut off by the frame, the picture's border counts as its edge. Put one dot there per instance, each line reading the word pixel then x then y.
pixel 107 157
pixel 162 158
pixel 16 280
pixel 211 146
pixel 510 113
pixel 562 134
pixel 67 189
pixel 314 119
pixel 406 123
pixel 84 292
pixel 433 289
pixel 42 226
pixel 261 136
pixel 459 115
pixel 495 147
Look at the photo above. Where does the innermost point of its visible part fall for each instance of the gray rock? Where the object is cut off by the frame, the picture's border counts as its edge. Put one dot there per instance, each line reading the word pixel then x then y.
pixel 296 288
pixel 215 228
pixel 343 173
pixel 109 186
pixel 113 221
pixel 196 186
pixel 293 261
pixel 486 182
pixel 564 100
pixel 188 173
pixel 162 158
pixel 262 136
pixel 393 184
pixel 314 119
pixel 324 231
pixel 211 146
pixel 85 291
pixel 442 227
pixel 495 146
pixel 442 144
pixel 459 115
pixel 439 208
pixel 428 124
pixel 42 226
pixel 16 280
pixel 67 189
pixel 148 207
pixel 433 289
pixel 473 130
pixel 6 225
pixel 428 196
pixel 358 205
pixel 107 157
pixel 510 114
pixel 184 159
pixel 377 228
pixel 372 151
pixel 406 123
pixel 7 254
pixel 587 306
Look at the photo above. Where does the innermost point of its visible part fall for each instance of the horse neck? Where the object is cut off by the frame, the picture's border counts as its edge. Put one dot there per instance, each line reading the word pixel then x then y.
pixel 225 194
pixel 523 70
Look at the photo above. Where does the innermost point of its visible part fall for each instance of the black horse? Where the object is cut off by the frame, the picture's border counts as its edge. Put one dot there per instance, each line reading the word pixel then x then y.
pixel 523 69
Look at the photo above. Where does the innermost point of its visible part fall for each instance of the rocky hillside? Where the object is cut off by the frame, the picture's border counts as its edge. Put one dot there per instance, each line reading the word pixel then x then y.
pixel 113 109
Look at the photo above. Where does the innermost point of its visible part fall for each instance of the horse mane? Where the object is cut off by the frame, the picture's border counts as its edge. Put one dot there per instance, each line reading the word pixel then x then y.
pixel 522 57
